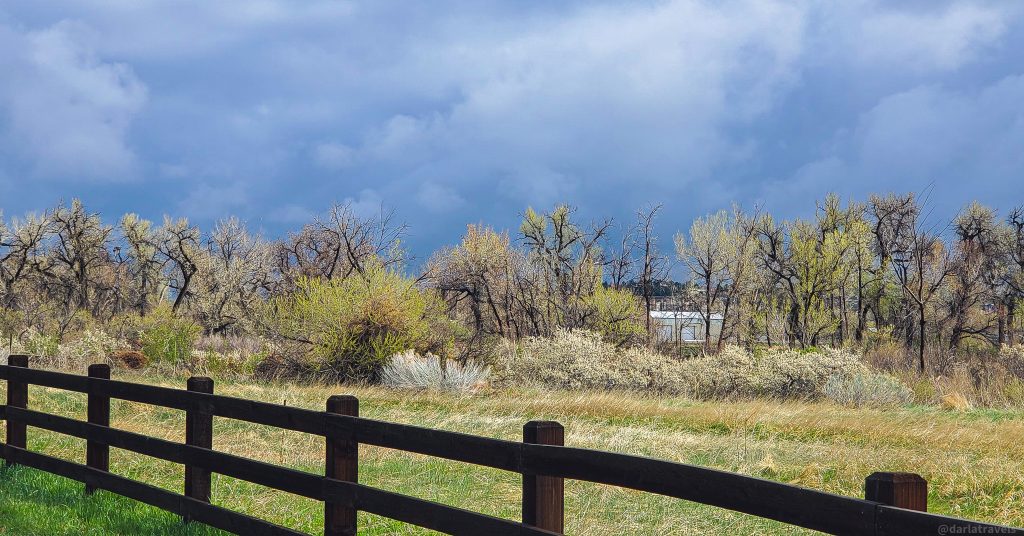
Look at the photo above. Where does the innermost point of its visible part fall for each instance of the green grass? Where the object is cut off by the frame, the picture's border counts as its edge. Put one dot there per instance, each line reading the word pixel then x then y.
pixel 974 461
pixel 37 503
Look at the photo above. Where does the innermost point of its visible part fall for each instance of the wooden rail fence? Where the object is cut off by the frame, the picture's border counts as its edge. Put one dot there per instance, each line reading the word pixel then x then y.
pixel 894 502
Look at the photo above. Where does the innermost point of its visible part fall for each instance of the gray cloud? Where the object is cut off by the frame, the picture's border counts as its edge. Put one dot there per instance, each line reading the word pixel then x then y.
pixel 459 112
pixel 68 113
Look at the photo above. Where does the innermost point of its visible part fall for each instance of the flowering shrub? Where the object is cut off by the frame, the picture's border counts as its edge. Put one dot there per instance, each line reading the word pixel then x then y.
pixel 570 360
pixel 779 373
pixel 91 346
pixel 582 360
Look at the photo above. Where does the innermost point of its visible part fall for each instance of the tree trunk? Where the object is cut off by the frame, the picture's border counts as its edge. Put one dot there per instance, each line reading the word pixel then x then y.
pixel 862 310
pixel 707 316
pixel 844 320
pixel 1011 319
pixel 1001 325
pixel 921 334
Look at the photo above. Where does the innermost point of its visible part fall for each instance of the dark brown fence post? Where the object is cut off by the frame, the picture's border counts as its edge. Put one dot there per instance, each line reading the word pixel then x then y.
pixel 97 455
pixel 17 396
pixel 902 490
pixel 544 496
pixel 198 433
pixel 342 463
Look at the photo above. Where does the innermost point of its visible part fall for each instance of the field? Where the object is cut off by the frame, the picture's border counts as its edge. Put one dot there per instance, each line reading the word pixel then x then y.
pixel 974 461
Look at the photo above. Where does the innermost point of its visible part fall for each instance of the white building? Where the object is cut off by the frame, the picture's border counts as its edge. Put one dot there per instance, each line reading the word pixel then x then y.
pixel 683 326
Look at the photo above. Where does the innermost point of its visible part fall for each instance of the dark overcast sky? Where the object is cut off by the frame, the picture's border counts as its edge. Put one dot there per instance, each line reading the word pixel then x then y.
pixel 458 112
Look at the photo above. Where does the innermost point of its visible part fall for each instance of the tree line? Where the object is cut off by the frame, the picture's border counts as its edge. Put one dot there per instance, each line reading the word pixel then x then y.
pixel 856 270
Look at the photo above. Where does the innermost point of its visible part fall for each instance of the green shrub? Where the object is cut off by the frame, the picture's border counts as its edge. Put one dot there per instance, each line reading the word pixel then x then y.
pixel 40 344
pixel 11 323
pixel 166 337
pixel 924 391
pixel 868 389
pixel 616 314
pixel 351 327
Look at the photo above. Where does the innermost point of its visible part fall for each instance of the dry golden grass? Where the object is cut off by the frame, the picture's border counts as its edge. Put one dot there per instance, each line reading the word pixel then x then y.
pixel 973 459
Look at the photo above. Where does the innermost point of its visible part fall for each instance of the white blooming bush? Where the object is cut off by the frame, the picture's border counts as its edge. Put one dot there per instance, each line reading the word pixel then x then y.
pixel 582 360
pixel 571 360
pixel 780 373
pixel 90 346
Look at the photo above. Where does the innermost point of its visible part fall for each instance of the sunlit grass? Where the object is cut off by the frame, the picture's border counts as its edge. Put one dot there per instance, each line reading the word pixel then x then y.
pixel 974 461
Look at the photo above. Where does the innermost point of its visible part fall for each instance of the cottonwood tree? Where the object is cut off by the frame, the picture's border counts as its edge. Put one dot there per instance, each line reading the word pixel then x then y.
pixel 807 259
pixel 973 272
pixel 847 225
pixel 231 272
pixel 143 262
pixel 339 245
pixel 79 247
pixel 654 265
pixel 178 243
pixel 498 290
pixel 718 255
pixel 20 244
pixel 867 271
pixel 77 262
pixel 570 259
pixel 919 260
pixel 1011 276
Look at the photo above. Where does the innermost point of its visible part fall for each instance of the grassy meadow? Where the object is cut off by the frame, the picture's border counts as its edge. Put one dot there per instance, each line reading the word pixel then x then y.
pixel 973 460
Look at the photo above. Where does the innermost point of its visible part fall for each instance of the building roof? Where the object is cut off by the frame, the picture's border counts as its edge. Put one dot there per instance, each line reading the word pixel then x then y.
pixel 684 315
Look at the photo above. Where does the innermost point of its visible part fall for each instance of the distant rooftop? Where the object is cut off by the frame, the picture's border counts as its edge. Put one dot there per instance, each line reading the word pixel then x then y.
pixel 686 315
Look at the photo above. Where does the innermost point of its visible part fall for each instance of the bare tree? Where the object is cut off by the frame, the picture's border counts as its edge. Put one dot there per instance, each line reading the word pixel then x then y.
pixel 340 245
pixel 655 265
pixel 78 251
pixel 919 260
pixel 178 242
pixel 1011 277
pixel 232 270
pixel 620 260
pixel 973 271
pixel 20 245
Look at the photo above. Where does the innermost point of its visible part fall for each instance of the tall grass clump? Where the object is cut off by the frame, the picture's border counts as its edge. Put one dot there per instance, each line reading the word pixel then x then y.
pixel 868 389
pixel 410 371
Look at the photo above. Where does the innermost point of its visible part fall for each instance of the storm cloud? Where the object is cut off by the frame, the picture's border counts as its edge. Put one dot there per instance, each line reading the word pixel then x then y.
pixel 460 112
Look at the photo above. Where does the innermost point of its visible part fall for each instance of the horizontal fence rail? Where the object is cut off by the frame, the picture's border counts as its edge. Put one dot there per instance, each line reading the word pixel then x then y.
pixel 540 458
